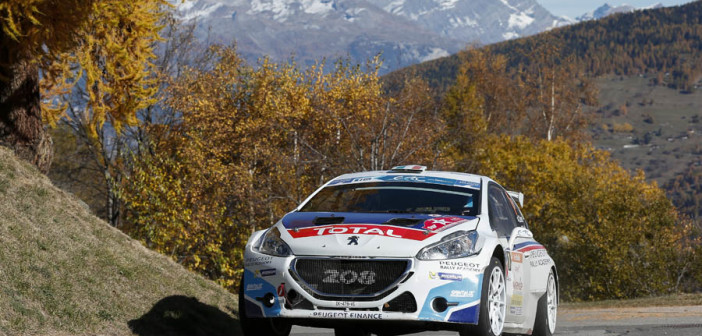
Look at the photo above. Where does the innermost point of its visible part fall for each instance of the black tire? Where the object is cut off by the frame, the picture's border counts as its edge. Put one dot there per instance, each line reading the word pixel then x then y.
pixel 484 327
pixel 542 324
pixel 260 326
pixel 350 331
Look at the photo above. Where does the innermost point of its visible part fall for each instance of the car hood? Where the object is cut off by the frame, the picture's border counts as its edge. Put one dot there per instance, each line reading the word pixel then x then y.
pixel 367 235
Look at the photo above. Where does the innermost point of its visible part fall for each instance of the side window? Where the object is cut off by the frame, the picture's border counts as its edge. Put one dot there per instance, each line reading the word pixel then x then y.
pixel 521 221
pixel 501 211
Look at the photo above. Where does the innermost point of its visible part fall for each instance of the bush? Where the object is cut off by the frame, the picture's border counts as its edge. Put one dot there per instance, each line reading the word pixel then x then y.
pixel 613 235
pixel 622 128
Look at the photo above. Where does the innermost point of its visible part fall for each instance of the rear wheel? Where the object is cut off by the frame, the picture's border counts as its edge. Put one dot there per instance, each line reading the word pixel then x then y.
pixel 493 303
pixel 260 326
pixel 547 309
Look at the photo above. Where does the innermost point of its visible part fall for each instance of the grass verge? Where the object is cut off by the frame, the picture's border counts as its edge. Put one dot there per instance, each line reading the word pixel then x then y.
pixel 63 271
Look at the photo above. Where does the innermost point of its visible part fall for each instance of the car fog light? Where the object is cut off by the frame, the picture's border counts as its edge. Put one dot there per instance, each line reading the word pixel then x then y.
pixel 268 300
pixel 439 305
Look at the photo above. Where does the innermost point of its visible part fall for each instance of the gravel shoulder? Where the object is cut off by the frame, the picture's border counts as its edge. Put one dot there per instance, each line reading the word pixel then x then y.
pixel 630 316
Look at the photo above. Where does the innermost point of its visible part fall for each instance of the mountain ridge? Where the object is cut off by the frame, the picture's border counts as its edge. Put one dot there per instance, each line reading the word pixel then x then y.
pixel 607 10
pixel 404 31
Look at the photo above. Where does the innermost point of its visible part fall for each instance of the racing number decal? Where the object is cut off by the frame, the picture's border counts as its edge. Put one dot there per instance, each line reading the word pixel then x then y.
pixel 349 276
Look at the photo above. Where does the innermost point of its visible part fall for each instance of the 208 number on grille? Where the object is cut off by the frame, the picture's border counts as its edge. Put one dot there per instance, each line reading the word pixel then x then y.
pixel 348 277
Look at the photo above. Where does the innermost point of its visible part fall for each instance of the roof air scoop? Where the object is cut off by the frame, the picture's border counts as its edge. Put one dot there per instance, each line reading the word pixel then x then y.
pixel 415 169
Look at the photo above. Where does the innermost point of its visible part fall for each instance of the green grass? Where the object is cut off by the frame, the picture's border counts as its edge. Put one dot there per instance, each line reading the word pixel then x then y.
pixel 668 142
pixel 65 272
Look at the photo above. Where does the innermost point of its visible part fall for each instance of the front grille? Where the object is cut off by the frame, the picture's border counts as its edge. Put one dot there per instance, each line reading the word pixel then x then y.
pixel 349 277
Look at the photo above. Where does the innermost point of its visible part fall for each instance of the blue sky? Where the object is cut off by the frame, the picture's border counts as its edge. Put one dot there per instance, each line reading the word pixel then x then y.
pixel 575 8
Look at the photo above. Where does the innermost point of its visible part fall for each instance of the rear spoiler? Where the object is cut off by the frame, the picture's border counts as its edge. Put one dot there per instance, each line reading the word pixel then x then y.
pixel 517 197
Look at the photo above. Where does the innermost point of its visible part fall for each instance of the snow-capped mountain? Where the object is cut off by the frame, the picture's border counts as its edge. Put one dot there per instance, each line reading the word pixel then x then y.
pixel 484 21
pixel 404 31
pixel 607 10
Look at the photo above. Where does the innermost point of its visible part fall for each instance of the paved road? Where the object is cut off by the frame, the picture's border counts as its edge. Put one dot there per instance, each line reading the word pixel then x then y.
pixel 646 321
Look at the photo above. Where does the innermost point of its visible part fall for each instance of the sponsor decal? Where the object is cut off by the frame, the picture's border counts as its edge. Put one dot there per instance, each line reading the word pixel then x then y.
pixel 361 229
pixel 430 179
pixel 459 266
pixel 517 300
pixel 446 276
pixel 442 223
pixel 254 287
pixel 408 178
pixel 348 315
pixel 515 305
pixel 281 290
pixel 350 180
pixel 462 294
pixel 258 261
pixel 518 285
pixel 353 240
pixel 538 258
pixel 450 276
pixel 517 311
pixel 539 262
pixel 517 257
pixel 264 272
pixel 538 254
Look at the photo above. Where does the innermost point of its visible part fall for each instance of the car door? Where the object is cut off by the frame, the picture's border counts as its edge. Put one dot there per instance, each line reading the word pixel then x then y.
pixel 522 246
pixel 513 231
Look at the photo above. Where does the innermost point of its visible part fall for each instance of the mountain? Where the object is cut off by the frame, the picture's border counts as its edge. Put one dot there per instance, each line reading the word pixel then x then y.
pixel 663 40
pixel 66 272
pixel 607 10
pixel 647 66
pixel 405 31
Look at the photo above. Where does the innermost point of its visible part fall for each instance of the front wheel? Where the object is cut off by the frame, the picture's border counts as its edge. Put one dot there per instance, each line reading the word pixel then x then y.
pixel 260 326
pixel 547 309
pixel 493 303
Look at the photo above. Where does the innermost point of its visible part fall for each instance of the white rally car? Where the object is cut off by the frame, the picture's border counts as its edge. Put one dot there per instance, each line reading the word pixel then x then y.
pixel 401 251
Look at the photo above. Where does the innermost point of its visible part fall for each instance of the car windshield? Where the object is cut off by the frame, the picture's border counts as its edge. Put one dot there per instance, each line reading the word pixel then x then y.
pixel 396 197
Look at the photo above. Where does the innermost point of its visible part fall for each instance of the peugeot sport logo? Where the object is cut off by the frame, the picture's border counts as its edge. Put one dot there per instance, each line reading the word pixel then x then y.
pixel 353 240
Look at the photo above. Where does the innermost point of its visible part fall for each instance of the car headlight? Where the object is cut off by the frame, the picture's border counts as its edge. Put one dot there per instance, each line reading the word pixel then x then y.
pixel 272 244
pixel 456 245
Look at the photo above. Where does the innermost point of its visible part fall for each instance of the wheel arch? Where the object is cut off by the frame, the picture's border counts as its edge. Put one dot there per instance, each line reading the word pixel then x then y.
pixel 558 283
pixel 499 253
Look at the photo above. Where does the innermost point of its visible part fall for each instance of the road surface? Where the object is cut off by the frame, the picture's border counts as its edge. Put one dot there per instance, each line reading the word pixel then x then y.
pixel 644 321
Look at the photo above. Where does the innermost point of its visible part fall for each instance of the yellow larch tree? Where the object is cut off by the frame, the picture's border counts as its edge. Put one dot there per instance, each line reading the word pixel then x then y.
pixel 105 44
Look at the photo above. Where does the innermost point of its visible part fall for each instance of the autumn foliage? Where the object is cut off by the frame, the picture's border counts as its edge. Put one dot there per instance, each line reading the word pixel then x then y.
pixel 254 142
pixel 245 144
pixel 612 234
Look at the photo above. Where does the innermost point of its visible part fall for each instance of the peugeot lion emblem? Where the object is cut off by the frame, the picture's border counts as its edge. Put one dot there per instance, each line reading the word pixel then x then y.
pixel 353 240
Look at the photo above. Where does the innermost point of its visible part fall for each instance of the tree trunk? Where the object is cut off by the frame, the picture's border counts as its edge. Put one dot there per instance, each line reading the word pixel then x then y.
pixel 21 126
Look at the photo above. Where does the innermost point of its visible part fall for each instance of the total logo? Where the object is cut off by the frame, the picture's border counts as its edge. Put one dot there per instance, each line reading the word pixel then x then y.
pixel 361 229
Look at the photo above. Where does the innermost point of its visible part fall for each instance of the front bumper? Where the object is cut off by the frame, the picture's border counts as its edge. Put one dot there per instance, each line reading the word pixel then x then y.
pixel 429 291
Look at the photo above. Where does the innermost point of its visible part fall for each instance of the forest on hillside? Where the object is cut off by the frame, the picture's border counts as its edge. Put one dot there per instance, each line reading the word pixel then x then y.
pixel 192 149
pixel 656 41
pixel 663 44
